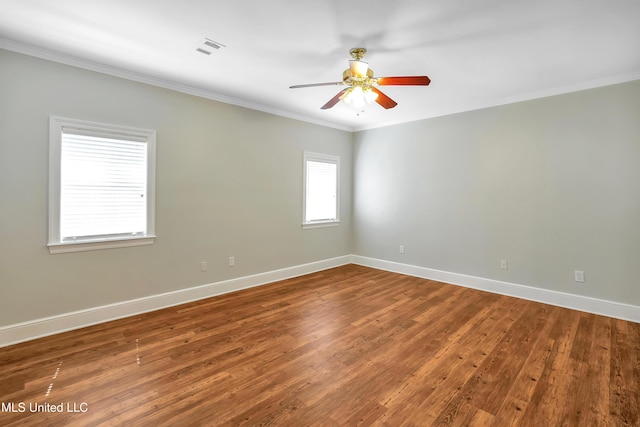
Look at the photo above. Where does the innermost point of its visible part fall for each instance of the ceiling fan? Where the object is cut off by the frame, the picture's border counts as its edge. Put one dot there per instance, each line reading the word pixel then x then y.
pixel 361 84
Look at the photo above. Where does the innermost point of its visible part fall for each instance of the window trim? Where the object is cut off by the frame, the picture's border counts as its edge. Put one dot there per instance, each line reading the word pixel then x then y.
pixel 56 126
pixel 325 158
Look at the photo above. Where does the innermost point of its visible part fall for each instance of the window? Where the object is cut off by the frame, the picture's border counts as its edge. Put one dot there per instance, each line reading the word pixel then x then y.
pixel 321 190
pixel 101 186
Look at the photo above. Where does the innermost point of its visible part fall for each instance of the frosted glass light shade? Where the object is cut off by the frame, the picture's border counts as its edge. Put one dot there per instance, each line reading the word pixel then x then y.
pixel 358 68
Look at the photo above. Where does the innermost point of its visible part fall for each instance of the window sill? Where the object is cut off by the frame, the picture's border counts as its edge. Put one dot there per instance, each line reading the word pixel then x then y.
pixel 320 224
pixel 66 247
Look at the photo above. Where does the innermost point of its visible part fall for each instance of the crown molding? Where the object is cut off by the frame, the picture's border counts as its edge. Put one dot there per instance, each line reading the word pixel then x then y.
pixel 530 96
pixel 75 61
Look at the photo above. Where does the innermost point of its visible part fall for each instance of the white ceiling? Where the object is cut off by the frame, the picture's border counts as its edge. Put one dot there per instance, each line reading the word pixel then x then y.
pixel 477 53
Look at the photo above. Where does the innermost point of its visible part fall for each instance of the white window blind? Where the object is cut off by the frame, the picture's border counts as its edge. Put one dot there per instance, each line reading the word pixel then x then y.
pixel 103 186
pixel 321 189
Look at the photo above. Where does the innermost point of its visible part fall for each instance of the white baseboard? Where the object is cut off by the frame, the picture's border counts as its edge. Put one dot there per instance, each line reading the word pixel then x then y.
pixel 26 331
pixel 576 302
pixel 38 328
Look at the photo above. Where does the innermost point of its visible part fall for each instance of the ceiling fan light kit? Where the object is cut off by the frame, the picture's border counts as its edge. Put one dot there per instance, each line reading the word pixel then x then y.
pixel 362 84
pixel 358 97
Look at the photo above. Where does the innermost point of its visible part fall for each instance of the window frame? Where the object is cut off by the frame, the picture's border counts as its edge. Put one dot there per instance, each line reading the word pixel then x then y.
pixel 323 158
pixel 56 126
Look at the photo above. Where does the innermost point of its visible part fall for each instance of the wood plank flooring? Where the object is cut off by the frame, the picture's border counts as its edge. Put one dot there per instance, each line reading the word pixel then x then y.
pixel 342 347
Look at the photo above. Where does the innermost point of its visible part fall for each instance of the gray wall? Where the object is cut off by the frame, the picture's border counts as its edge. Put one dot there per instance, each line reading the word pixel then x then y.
pixel 551 185
pixel 229 183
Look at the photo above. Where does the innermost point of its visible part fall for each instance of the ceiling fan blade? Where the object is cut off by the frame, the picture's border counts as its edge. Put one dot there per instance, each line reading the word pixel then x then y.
pixel 316 84
pixel 333 101
pixel 383 99
pixel 404 81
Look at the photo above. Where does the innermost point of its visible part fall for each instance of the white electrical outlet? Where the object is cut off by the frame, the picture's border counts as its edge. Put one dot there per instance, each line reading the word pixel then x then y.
pixel 203 266
pixel 232 261
pixel 579 276
pixel 504 264
pixel 401 249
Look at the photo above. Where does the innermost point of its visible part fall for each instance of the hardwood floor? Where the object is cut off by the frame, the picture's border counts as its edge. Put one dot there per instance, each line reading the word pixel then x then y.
pixel 343 347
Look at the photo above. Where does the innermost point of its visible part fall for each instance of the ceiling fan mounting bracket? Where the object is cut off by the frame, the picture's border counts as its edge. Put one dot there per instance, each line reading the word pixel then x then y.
pixel 358 53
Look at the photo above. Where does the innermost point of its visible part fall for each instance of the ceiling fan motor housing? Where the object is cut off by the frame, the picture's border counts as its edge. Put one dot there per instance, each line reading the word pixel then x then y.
pixel 349 79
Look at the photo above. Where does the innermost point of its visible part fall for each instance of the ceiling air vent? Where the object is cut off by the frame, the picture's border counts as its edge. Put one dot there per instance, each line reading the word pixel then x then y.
pixel 207 46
